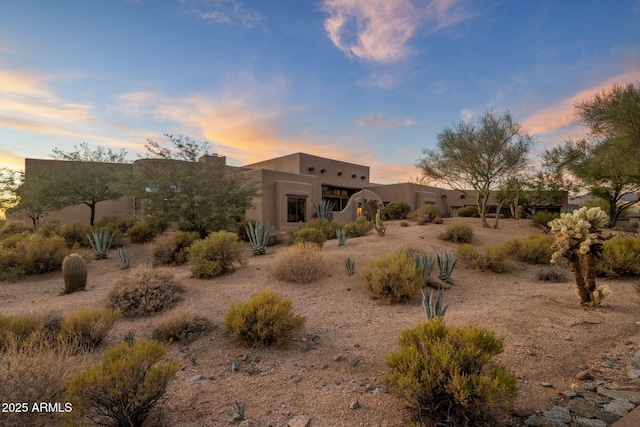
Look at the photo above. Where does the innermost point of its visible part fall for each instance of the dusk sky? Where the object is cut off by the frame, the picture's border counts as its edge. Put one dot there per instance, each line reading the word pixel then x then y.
pixel 366 81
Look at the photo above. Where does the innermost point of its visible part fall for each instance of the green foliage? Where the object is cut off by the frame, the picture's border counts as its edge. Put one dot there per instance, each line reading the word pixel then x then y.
pixel 393 278
pixel 121 223
pixel 424 263
pixel 173 249
pixel 11 242
pixel 216 255
pixel 358 228
pixel 467 252
pixel 431 211
pixel 142 233
pixel 542 218
pixel 125 257
pixel 458 233
pixel 258 234
pixel 341 234
pixel 448 375
pixel 145 291
pixel 17 328
pixel 180 325
pixel 329 229
pixel 266 319
pixel 74 233
pixel 433 307
pixel 396 210
pixel 12 229
pixel 100 242
pixel 379 224
pixel 87 327
pixel 620 257
pixel 38 255
pixel 125 387
pixel 10 267
pixel 309 235
pixel 469 211
pixel 350 265
pixel 302 263
pixel 491 258
pixel 533 249
pixel 324 209
pixel 74 272
pixel 446 264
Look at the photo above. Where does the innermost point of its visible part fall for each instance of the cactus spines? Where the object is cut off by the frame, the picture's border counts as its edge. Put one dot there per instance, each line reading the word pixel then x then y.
pixel 74 271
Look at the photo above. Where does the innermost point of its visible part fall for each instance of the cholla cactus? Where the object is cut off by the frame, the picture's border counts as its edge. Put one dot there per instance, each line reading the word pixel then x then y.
pixel 578 240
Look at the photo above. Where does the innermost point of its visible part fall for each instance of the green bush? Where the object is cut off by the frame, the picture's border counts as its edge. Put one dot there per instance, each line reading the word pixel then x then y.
pixel 458 233
pixel 542 218
pixel 358 228
pixel 116 222
pixel 75 233
pixel 38 255
pixel 180 325
pixel 49 228
pixel 125 387
pixel 17 328
pixel 142 233
pixel 216 255
pixel 620 257
pixel 491 258
pixel 469 211
pixel 265 319
pixel 396 210
pixel 447 374
pixel 12 241
pixel 12 228
pixel 431 209
pixel 173 249
pixel 393 278
pixel 87 327
pixel 158 223
pixel 533 249
pixel 145 291
pixel 309 235
pixel 303 263
pixel 9 264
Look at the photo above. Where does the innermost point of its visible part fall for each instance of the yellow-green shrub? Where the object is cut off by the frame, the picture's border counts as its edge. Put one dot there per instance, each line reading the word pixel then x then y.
pixel 38 254
pixel 393 278
pixel 308 235
pixel 458 233
pixel 302 263
pixel 12 241
pixel 125 387
pixel 541 218
pixel 142 233
pixel 87 327
pixel 18 328
pixel 145 291
pixel 216 255
pixel 491 258
pixel 265 319
pixel 448 375
pixel 180 325
pixel 75 233
pixel 620 257
pixel 9 264
pixel 173 249
pixel 358 228
pixel 13 228
pixel 533 249
pixel 117 222
pixel 467 252
pixel 328 228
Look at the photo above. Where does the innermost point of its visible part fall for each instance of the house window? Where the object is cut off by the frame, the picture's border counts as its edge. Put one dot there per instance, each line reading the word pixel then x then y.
pixel 296 208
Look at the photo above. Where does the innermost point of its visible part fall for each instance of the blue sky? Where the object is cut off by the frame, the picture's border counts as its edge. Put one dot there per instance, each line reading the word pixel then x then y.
pixel 367 81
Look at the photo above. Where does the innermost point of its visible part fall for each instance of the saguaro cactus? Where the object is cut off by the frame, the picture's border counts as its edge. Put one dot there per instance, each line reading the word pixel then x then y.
pixel 74 271
pixel 578 240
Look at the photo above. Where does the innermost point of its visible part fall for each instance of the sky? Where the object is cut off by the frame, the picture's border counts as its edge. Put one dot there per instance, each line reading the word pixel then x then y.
pixel 371 82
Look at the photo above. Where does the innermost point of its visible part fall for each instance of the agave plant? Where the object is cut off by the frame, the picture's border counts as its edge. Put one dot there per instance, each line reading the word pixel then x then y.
pixel 324 209
pixel 342 236
pixel 446 264
pixel 433 307
pixel 350 264
pixel 125 257
pixel 100 242
pixel 259 234
pixel 424 263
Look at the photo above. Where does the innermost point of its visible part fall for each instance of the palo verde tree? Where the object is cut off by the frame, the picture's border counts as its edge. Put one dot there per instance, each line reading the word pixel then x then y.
pixel 31 199
pixel 607 164
pixel 478 156
pixel 185 183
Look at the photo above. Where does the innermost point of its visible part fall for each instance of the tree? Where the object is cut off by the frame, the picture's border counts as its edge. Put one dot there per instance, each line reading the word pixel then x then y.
pixel 30 200
pixel 183 183
pixel 478 156
pixel 9 181
pixel 86 154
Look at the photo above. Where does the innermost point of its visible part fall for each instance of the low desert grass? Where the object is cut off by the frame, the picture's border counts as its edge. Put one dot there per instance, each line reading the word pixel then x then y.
pixel 302 263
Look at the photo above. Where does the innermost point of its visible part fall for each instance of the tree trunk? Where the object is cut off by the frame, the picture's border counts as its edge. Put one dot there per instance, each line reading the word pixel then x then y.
pixel 590 270
pixel 575 266
pixel 93 213
pixel 482 207
pixel 498 209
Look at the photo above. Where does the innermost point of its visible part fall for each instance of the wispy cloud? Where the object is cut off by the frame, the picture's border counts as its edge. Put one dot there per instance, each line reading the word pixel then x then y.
pixel 378 31
pixel 229 12
pixel 381 122
pixel 11 160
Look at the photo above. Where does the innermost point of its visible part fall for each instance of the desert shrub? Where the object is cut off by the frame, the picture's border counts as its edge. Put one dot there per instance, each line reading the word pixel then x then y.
pixel 533 249
pixel 49 228
pixel 216 255
pixel 9 264
pixel 173 249
pixel 396 210
pixel 542 218
pixel 145 291
pixel 552 274
pixel 142 233
pixel 448 375
pixel 360 227
pixel 17 328
pixel 469 211
pixel 458 233
pixel 467 252
pixel 75 233
pixel 12 228
pixel 158 223
pixel 125 387
pixel 12 241
pixel 303 263
pixel 328 228
pixel 87 327
pixel 491 258
pixel 180 325
pixel 620 257
pixel 266 319
pixel 309 235
pixel 38 255
pixel 393 278
pixel 431 210
pixel 35 370
pixel 121 223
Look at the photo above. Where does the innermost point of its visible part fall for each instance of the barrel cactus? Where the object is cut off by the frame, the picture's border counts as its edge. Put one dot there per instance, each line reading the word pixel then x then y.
pixel 74 270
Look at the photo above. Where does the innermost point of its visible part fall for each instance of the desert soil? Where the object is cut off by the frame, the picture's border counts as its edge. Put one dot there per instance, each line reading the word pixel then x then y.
pixel 338 356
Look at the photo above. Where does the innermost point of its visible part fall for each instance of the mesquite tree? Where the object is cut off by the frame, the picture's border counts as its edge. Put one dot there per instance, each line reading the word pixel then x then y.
pixel 578 239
